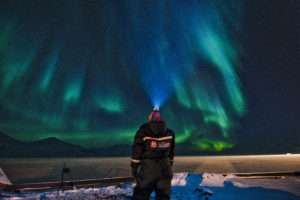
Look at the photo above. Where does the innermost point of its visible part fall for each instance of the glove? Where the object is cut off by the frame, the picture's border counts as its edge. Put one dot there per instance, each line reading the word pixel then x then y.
pixel 134 168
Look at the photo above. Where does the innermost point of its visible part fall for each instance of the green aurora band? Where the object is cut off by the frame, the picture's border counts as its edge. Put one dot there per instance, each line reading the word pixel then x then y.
pixel 77 77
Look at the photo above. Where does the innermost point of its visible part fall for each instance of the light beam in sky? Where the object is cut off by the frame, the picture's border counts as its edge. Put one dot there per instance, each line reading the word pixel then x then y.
pixel 92 77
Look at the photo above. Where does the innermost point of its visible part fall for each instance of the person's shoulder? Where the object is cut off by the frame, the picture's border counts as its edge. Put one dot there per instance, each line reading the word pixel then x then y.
pixel 143 126
pixel 171 132
pixel 142 129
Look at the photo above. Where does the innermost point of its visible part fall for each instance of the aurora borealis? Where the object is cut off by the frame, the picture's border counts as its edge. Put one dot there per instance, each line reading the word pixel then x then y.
pixel 90 72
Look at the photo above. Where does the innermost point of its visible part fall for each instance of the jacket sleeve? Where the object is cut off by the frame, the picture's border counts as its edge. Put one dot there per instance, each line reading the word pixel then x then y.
pixel 138 147
pixel 172 152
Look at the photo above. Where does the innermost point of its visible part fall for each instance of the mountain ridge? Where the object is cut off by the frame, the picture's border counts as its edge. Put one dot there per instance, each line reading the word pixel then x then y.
pixel 53 147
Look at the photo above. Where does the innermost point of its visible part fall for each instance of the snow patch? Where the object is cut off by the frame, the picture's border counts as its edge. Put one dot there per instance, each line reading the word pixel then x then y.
pixel 3 179
pixel 184 186
pixel 215 180
pixel 179 179
pixel 219 180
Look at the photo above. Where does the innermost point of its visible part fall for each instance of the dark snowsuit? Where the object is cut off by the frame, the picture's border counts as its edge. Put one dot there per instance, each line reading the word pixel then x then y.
pixel 152 158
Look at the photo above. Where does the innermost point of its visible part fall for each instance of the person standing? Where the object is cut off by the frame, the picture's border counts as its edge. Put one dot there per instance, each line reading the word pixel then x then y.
pixel 152 159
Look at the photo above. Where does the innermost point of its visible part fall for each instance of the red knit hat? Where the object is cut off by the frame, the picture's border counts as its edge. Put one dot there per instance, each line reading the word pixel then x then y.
pixel 154 115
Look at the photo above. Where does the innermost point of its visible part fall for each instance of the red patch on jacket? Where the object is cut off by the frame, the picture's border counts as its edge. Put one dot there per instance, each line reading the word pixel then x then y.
pixel 153 144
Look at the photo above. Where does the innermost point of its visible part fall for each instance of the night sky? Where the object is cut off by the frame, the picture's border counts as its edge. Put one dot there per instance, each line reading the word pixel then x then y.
pixel 225 74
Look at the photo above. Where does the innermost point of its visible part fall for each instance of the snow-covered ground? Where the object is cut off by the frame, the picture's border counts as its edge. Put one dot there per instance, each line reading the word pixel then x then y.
pixel 185 186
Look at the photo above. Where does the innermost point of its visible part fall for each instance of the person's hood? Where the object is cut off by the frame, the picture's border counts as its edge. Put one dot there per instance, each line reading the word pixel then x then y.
pixel 157 129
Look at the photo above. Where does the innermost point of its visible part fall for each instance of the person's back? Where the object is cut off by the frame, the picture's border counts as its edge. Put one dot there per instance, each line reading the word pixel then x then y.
pixel 152 158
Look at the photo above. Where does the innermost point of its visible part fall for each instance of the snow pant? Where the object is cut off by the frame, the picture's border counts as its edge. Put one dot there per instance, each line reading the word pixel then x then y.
pixel 154 174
